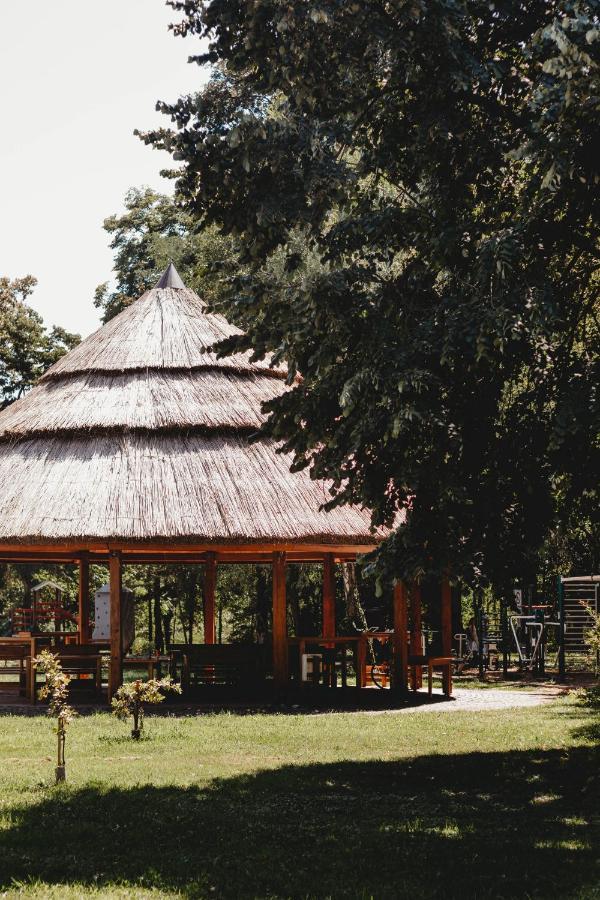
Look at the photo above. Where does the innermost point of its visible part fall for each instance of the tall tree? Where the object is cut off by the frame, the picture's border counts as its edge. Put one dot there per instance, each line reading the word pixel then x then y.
pixel 440 159
pixel 153 231
pixel 27 348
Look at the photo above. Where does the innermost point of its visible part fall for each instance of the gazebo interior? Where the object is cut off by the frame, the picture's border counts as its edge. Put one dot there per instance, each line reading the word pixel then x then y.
pixel 140 447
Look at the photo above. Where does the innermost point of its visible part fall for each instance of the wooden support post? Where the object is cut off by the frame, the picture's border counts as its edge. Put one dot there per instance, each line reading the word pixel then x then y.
pixel 210 588
pixel 115 678
pixel 416 634
pixel 446 629
pixel 280 635
pixel 84 600
pixel 328 596
pixel 400 659
pixel 562 670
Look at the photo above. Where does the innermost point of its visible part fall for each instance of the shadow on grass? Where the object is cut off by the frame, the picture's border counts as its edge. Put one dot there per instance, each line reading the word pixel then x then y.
pixel 324 700
pixel 478 825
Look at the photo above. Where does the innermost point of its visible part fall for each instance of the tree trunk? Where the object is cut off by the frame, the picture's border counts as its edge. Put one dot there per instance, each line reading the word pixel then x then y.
pixel 293 599
pixel 159 641
pixel 167 620
pixel 26 574
pixel 263 604
pixel 192 599
pixel 354 610
pixel 183 620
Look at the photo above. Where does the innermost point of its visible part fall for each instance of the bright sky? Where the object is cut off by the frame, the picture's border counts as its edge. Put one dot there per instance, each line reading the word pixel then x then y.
pixel 75 80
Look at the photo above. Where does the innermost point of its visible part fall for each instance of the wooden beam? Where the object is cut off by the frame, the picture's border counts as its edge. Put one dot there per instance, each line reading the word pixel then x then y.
pixel 84 600
pixel 116 636
pixel 48 557
pixel 400 658
pixel 232 557
pixel 210 589
pixel 329 596
pixel 446 629
pixel 280 635
pixel 416 632
pixel 73 549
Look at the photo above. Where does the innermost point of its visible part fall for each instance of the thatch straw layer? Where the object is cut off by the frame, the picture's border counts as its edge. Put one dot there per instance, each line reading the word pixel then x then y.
pixel 164 329
pixel 141 400
pixel 142 487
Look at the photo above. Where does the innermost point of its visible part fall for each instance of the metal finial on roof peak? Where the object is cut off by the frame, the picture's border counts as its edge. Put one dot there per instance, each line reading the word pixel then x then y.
pixel 170 278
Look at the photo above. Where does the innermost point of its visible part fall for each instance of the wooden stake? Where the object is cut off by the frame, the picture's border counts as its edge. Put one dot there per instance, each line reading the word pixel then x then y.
pixel 84 600
pixel 400 660
pixel 280 636
pixel 116 638
pixel 210 588
pixel 329 595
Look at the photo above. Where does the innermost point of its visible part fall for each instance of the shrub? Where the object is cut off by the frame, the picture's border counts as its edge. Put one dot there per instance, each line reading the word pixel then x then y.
pixel 130 699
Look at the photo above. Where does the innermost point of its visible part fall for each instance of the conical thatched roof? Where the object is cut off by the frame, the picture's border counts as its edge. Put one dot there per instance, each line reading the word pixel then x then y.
pixel 141 434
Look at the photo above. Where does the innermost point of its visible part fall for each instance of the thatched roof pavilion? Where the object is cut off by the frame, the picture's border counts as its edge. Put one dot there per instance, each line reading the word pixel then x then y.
pixel 138 438
pixel 135 447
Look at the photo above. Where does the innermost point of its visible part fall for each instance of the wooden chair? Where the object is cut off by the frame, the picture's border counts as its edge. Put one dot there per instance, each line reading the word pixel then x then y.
pixel 432 662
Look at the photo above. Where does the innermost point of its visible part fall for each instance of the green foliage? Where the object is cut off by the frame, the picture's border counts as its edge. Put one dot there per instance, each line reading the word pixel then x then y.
pixel 440 161
pixel 153 231
pixel 592 635
pixel 27 348
pixel 56 688
pixel 130 699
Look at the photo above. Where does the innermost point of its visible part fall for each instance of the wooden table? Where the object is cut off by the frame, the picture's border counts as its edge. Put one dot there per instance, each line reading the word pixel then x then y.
pixel 150 663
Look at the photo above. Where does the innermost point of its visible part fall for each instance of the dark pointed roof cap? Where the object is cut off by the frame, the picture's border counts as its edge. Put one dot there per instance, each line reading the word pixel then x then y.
pixel 170 278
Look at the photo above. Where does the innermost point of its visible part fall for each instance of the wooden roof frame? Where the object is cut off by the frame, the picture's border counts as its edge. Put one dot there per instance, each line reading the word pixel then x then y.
pixel 184 553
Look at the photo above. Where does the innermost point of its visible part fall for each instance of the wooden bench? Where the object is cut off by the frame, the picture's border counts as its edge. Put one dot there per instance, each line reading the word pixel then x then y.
pixel 82 663
pixel 228 665
pixel 433 662
pixel 14 660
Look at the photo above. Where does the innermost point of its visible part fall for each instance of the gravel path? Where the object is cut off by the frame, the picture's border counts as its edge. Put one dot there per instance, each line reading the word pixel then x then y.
pixel 472 700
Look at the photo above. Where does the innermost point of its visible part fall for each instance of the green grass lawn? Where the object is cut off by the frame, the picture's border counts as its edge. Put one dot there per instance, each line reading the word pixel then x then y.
pixel 483 805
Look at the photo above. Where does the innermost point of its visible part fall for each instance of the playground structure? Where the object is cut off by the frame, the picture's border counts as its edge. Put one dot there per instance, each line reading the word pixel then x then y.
pixel 49 613
pixel 532 633
pixel 47 608
pixel 579 599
